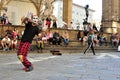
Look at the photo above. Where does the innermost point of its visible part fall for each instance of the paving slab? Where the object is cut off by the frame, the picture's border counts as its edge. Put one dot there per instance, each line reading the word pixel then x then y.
pixel 102 66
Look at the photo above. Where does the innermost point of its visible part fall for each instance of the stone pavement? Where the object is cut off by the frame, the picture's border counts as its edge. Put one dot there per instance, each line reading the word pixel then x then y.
pixel 102 66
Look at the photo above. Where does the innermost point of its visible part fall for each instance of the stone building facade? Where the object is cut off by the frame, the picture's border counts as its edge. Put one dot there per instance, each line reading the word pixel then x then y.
pixel 111 16
pixel 67 12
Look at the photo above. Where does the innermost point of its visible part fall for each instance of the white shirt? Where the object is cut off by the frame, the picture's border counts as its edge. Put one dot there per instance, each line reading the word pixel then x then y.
pixel 7 40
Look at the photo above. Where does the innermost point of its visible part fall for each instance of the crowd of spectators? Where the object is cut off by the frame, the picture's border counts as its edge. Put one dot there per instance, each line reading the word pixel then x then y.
pixel 54 38
pixel 99 37
pixel 49 37
pixel 9 40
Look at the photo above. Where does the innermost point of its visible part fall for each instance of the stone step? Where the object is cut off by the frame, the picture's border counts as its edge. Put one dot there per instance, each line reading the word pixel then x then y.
pixel 75 49
pixel 67 49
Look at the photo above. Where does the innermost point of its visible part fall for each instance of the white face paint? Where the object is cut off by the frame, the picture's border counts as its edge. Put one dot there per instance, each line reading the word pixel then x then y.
pixel 35 19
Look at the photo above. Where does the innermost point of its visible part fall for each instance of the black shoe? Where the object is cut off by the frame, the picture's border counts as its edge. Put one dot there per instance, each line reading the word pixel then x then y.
pixel 29 69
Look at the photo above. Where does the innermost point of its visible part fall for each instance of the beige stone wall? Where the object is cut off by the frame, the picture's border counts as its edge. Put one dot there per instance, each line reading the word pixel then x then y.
pixel 111 15
pixel 18 9
pixel 67 11
pixel 72 33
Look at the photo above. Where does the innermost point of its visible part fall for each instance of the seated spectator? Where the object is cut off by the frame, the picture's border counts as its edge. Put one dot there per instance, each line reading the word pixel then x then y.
pixel 44 37
pixel 14 43
pixel 56 38
pixel 96 39
pixel 9 32
pixel 65 37
pixel 102 39
pixel 112 37
pixel 6 43
pixel 7 21
pixel 15 33
pixel 115 41
pixel 39 42
pixel 49 36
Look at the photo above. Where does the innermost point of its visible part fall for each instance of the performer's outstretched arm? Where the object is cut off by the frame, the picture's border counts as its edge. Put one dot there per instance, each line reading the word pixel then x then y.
pixel 28 18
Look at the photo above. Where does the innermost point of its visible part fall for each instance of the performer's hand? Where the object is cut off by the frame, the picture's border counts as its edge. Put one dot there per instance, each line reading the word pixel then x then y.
pixel 24 19
pixel 29 15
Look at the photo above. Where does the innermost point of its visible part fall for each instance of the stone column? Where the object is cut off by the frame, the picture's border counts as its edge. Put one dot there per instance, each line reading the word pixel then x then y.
pixel 67 11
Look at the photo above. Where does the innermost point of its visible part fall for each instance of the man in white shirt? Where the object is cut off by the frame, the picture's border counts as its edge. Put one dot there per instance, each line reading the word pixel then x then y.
pixel 6 43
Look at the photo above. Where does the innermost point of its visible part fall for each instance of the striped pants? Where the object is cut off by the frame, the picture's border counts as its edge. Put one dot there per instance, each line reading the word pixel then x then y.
pixel 22 53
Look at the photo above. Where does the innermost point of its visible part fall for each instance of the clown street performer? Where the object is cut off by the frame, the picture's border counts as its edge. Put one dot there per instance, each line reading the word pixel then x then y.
pixel 30 31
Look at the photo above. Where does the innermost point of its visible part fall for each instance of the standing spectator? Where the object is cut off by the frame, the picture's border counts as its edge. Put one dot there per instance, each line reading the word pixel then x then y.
pixel 65 26
pixel 7 21
pixel 54 24
pixel 3 18
pixel 48 21
pixel 95 28
pixel 70 26
pixel 56 38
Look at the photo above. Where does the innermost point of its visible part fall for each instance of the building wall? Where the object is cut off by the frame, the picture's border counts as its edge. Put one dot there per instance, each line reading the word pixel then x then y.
pixel 58 12
pixel 110 15
pixel 78 14
pixel 17 9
